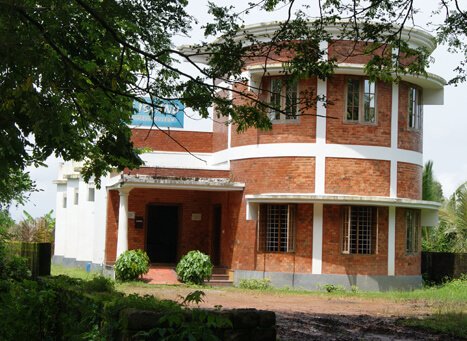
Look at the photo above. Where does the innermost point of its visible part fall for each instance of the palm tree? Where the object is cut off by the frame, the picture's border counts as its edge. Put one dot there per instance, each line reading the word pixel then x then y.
pixel 453 220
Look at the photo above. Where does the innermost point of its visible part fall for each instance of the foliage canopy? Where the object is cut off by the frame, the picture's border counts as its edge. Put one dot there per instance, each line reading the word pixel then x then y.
pixel 71 70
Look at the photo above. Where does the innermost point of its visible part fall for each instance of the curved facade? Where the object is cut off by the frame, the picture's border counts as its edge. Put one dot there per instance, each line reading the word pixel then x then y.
pixel 332 194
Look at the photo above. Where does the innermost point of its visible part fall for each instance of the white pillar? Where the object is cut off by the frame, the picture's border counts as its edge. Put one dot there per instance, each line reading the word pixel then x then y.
pixel 394 139
pixel 122 236
pixel 316 266
pixel 392 241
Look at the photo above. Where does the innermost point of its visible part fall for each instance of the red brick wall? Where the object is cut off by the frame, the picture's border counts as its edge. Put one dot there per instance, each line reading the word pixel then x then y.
pixel 220 133
pixel 341 132
pixel 112 226
pixel 335 262
pixel 407 138
pixel 200 142
pixel 406 264
pixel 179 172
pixel 272 175
pixel 357 177
pixel 409 180
pixel 348 51
pixel 301 259
pixel 302 130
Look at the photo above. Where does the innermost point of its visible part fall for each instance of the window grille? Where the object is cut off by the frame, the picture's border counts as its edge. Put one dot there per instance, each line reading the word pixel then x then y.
pixel 369 102
pixel 359 232
pixel 412 231
pixel 276 228
pixel 415 109
pixel 353 99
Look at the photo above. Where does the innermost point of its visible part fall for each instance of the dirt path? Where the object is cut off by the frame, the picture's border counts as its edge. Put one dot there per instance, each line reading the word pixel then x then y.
pixel 307 317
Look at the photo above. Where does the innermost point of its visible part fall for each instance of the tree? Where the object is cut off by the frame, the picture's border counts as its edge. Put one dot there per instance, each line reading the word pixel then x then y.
pixel 431 188
pixel 453 220
pixel 32 229
pixel 70 70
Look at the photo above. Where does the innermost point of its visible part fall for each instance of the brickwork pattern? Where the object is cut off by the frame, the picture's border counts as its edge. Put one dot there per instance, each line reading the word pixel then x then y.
pixel 338 131
pixel 302 130
pixel 409 181
pixel 299 261
pixel 357 177
pixel 406 264
pixel 407 138
pixel 335 262
pixel 199 142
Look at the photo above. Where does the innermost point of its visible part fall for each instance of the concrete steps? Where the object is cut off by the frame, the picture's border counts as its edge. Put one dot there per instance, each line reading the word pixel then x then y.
pixel 221 277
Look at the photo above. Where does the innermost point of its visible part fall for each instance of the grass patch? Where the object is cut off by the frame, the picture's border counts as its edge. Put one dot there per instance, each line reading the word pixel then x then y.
pixel 452 323
pixel 57 270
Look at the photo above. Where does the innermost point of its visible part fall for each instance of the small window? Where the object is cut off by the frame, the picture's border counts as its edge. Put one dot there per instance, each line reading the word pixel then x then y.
pixel 276 228
pixel 361 101
pixel 415 109
pixel 91 193
pixel 360 230
pixel 283 99
pixel 76 197
pixel 64 201
pixel 413 231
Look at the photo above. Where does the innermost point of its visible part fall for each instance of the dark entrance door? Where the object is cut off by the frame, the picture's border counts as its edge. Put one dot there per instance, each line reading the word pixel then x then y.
pixel 216 234
pixel 162 234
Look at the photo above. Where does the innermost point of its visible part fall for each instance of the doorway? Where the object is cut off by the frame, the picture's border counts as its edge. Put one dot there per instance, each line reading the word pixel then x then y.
pixel 162 233
pixel 216 234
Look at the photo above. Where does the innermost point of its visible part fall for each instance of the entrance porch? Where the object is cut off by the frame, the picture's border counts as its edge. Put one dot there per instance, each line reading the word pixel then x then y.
pixel 167 217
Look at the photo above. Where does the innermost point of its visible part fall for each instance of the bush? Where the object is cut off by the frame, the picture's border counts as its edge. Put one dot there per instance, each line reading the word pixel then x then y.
pixel 333 288
pixel 194 268
pixel 131 264
pixel 255 284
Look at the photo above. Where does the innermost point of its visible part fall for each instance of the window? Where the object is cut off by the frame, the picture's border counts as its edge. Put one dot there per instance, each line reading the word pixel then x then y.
pixel 283 99
pixel 415 109
pixel 413 230
pixel 64 200
pixel 361 101
pixel 76 196
pixel 276 228
pixel 360 230
pixel 91 193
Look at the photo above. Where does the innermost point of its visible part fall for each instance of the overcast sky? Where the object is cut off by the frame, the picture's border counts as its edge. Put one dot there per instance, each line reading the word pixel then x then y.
pixel 444 127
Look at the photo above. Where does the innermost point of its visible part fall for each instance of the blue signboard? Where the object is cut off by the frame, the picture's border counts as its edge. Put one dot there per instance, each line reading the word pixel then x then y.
pixel 170 114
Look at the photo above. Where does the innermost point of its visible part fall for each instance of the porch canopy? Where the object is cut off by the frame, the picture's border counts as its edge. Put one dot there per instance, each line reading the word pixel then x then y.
pixel 125 183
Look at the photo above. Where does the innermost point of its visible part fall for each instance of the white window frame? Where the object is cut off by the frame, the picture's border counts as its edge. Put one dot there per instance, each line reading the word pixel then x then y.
pixel 415 109
pixel 412 231
pixel 363 102
pixel 276 232
pixel 76 196
pixel 357 237
pixel 91 197
pixel 281 100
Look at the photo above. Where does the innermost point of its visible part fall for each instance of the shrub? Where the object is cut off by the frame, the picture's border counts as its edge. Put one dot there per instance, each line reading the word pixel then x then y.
pixel 332 288
pixel 131 264
pixel 194 268
pixel 255 284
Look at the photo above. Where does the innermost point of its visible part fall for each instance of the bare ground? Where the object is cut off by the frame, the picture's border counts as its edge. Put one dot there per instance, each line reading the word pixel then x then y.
pixel 307 317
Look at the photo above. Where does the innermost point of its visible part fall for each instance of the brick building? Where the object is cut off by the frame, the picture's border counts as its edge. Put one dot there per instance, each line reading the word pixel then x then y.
pixel 332 196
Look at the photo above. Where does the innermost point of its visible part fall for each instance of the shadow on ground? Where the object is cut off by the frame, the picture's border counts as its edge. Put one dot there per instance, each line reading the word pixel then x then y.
pixel 303 326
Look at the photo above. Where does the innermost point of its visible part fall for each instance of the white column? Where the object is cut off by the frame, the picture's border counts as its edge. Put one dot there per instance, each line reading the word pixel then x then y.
pixel 392 241
pixel 320 160
pixel 394 139
pixel 316 266
pixel 122 236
